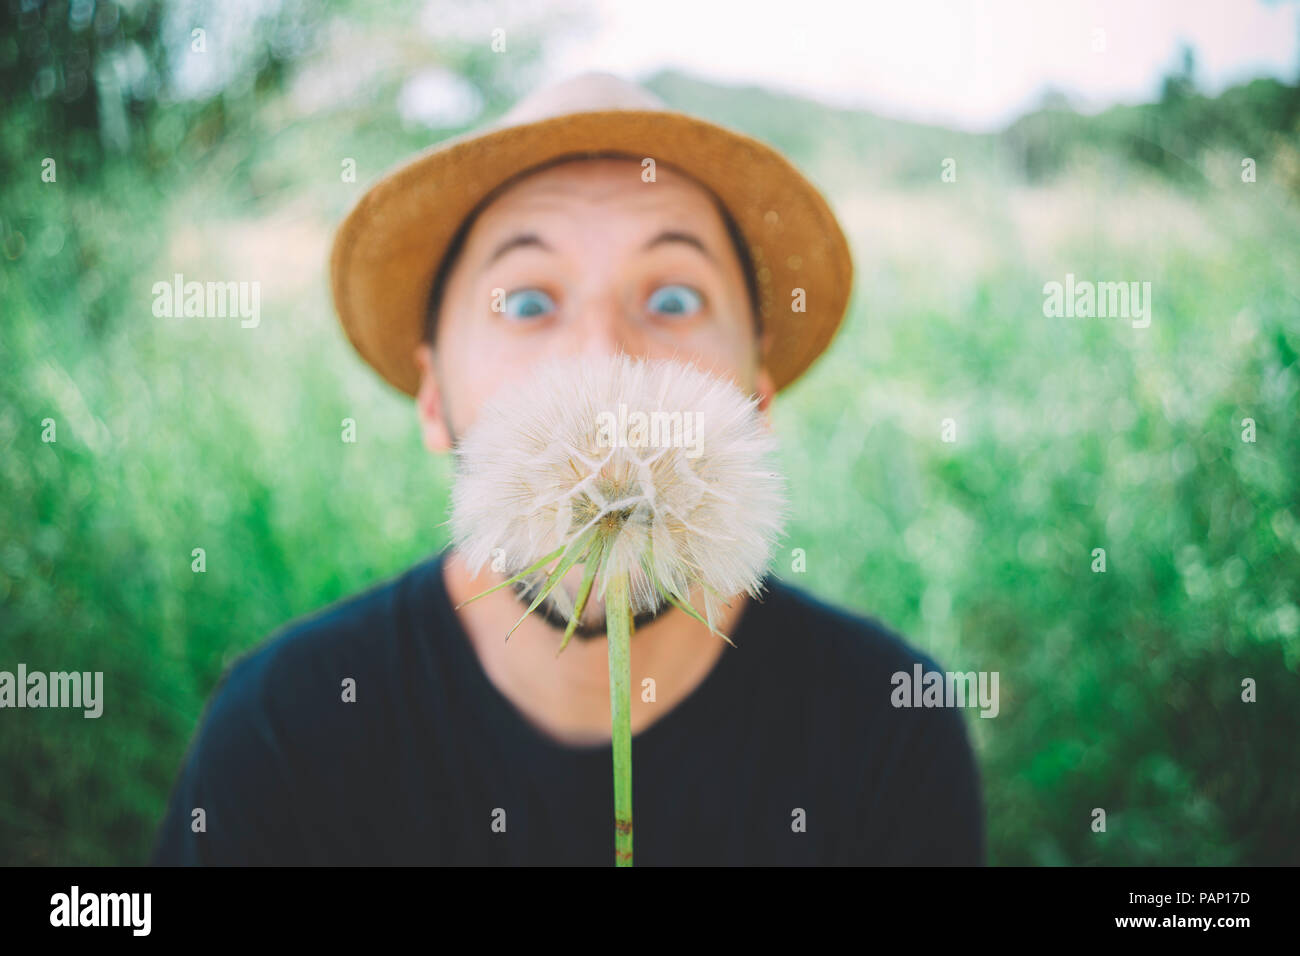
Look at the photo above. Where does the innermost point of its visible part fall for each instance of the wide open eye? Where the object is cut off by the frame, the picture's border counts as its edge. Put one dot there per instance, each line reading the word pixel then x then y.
pixel 525 304
pixel 675 300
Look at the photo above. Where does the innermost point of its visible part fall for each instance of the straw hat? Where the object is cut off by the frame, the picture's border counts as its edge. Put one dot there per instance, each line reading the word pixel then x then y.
pixel 388 248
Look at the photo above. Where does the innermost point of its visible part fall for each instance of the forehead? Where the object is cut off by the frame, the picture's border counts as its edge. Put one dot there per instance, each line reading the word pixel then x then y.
pixel 574 193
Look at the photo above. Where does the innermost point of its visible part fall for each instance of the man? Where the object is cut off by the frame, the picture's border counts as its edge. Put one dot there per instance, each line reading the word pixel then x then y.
pixel 398 726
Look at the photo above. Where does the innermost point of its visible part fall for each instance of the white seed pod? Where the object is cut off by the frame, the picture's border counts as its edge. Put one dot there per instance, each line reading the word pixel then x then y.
pixel 670 469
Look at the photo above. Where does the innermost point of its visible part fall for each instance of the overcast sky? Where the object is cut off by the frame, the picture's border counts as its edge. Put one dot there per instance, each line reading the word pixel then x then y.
pixel 973 64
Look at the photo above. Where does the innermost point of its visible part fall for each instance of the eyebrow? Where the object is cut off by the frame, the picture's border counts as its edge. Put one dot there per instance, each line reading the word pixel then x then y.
pixel 673 235
pixel 515 242
pixel 532 239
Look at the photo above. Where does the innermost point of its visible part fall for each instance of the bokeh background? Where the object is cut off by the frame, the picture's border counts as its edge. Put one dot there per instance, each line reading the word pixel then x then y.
pixel 1120 690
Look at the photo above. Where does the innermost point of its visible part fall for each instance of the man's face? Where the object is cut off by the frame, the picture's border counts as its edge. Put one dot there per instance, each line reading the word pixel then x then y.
pixel 588 260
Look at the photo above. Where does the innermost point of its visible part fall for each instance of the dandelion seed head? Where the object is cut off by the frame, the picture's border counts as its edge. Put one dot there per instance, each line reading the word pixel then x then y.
pixel 692 500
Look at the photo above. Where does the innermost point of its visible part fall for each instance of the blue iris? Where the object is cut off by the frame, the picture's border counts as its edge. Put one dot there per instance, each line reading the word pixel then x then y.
pixel 528 304
pixel 675 300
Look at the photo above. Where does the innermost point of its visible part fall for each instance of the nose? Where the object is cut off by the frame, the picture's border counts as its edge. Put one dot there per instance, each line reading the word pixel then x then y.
pixel 606 327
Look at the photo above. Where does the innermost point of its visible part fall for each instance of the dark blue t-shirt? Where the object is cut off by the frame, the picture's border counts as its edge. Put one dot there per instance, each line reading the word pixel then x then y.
pixel 789 752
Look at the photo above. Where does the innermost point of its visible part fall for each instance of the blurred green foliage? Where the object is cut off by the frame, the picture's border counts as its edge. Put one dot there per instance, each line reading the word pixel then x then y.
pixel 1171 136
pixel 1119 690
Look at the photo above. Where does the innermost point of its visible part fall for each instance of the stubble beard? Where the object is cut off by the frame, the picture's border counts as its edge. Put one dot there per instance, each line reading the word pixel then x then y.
pixel 591 625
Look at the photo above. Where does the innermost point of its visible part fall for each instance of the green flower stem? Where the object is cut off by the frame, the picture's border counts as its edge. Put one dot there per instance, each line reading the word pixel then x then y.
pixel 618 629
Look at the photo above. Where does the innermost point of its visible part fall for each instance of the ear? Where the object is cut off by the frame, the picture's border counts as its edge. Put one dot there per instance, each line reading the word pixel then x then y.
pixel 428 402
pixel 766 389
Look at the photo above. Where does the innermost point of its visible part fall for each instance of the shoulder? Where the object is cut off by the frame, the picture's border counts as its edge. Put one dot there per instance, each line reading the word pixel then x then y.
pixel 836 674
pixel 836 641
pixel 278 725
pixel 843 667
pixel 289 690
pixel 360 632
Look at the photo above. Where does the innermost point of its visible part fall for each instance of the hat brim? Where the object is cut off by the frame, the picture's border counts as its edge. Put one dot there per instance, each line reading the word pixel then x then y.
pixel 389 246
